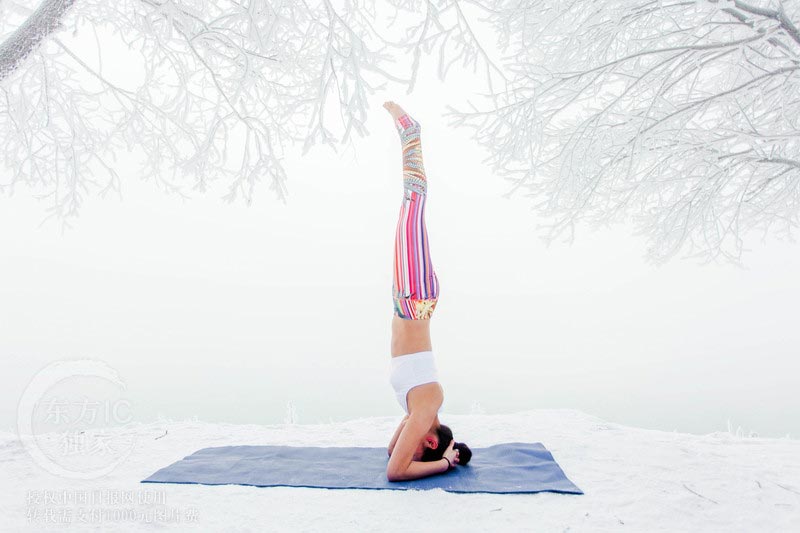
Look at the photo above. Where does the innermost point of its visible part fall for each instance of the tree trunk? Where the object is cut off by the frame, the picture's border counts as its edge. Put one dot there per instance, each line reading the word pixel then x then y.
pixel 27 37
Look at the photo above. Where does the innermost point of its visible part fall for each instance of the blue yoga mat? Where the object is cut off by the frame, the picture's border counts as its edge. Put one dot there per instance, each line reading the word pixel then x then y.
pixel 501 469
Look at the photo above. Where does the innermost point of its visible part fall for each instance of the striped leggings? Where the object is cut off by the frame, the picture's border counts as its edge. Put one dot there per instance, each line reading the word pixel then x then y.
pixel 415 288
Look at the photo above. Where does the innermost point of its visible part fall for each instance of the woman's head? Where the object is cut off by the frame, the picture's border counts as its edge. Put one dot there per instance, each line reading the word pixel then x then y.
pixel 443 436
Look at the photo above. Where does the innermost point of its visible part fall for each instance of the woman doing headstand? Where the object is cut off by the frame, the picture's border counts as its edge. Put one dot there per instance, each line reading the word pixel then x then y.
pixel 421 445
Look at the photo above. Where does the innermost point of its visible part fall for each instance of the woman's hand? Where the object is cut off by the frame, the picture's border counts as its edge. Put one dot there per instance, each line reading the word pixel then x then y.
pixel 451 454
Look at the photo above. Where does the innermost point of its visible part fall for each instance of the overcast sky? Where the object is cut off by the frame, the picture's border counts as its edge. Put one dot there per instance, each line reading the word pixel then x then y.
pixel 228 312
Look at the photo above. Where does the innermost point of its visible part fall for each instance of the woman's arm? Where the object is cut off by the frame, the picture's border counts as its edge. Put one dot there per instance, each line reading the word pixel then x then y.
pixel 401 464
pixel 397 434
pixel 418 469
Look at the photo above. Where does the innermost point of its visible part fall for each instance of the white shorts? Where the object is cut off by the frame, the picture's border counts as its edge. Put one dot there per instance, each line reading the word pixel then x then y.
pixel 409 370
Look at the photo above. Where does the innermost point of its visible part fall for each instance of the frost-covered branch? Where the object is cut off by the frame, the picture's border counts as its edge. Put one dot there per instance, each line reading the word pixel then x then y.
pixel 682 117
pixel 24 40
pixel 205 92
pixel 446 28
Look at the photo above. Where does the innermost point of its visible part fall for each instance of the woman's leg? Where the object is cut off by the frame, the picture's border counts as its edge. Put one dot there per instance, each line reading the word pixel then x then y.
pixel 415 287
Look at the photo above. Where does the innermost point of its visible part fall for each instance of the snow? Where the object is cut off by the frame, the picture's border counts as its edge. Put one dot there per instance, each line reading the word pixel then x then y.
pixel 634 480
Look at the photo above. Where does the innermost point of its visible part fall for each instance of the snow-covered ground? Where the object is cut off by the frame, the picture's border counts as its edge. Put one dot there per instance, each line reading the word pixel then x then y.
pixel 634 480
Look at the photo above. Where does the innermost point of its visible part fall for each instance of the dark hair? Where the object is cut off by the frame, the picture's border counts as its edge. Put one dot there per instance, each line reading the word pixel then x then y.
pixel 445 435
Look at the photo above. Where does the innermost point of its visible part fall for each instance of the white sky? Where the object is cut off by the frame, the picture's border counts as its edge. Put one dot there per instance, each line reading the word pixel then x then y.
pixel 228 312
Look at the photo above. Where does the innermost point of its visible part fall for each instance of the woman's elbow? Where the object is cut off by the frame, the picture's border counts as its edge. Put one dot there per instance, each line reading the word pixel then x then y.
pixel 393 475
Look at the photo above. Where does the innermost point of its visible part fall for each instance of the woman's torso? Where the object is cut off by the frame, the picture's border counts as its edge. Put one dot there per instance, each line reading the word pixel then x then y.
pixel 415 379
pixel 410 336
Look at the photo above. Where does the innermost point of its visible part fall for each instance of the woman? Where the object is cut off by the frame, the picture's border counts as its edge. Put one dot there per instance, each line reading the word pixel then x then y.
pixel 421 445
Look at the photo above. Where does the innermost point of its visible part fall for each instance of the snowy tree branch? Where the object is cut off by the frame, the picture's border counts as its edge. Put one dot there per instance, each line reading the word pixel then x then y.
pixel 680 117
pixel 41 23
pixel 210 92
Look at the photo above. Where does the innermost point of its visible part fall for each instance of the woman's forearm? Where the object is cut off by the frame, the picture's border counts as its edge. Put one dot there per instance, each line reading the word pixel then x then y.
pixel 418 469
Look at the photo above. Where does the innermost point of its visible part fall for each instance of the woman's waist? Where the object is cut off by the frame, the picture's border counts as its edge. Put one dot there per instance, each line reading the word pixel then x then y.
pixel 422 358
pixel 411 369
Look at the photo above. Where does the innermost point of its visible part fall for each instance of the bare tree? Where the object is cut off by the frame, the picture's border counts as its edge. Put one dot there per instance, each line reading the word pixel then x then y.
pixel 681 116
pixel 210 91
pixel 222 87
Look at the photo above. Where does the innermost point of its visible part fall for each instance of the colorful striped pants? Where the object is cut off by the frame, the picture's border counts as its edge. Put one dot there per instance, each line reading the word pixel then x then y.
pixel 415 288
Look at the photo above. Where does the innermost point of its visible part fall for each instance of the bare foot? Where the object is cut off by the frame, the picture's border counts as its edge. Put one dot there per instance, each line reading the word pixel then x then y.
pixel 395 110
